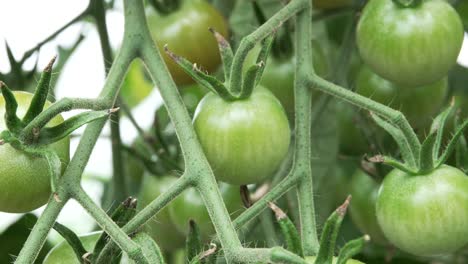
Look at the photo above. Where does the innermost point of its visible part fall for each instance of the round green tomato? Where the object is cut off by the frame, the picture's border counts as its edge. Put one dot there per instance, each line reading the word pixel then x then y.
pixel 189 206
pixel 161 227
pixel 25 178
pixel 186 33
pixel 311 260
pixel 425 215
pixel 331 4
pixel 135 86
pixel 63 252
pixel 278 76
pixel 418 104
pixel 364 191
pixel 246 140
pixel 412 46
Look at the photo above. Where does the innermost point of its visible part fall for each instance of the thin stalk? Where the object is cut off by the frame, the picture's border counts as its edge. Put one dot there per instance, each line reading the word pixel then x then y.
pixel 110 227
pixel 303 124
pixel 251 40
pixel 394 116
pixel 118 164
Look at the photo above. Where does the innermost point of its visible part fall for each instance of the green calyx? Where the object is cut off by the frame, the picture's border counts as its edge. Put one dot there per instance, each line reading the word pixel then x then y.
pixel 407 3
pixel 429 155
pixel 250 79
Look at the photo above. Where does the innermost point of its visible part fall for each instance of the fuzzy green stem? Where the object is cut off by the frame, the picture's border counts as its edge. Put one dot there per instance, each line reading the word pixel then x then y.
pixel 109 226
pixel 38 236
pixel 303 107
pixel 394 116
pixel 262 32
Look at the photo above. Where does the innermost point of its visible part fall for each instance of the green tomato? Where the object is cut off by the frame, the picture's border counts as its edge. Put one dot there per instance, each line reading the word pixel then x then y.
pixel 161 227
pixel 64 254
pixel 189 205
pixel 364 191
pixel 331 4
pixel 425 215
pixel 185 31
pixel 135 86
pixel 418 104
pixel 412 46
pixel 25 178
pixel 246 140
pixel 311 260
pixel 278 76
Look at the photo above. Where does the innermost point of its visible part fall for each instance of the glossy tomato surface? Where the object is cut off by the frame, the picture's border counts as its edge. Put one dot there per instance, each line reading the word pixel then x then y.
pixel 418 104
pixel 189 205
pixel 425 215
pixel 412 46
pixel 186 33
pixel 246 140
pixel 24 178
pixel 63 252
pixel 161 227
pixel 364 191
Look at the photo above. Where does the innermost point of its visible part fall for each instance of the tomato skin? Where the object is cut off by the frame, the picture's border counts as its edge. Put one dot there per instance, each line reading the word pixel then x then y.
pixel 364 191
pixel 331 4
pixel 418 104
pixel 311 260
pixel 392 39
pixel 186 32
pixel 161 227
pixel 189 205
pixel 246 140
pixel 278 76
pixel 135 86
pixel 63 252
pixel 24 178
pixel 425 215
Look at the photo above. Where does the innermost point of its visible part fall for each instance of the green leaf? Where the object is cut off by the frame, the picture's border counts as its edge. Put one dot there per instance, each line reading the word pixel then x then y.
pixel 13 237
pixel 72 239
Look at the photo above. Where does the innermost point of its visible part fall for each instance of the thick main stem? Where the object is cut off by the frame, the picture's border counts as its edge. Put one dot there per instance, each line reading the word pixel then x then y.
pixel 303 123
pixel 38 235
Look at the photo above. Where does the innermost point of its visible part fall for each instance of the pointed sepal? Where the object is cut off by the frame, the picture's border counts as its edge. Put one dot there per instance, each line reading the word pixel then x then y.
pixel 150 249
pixel 352 248
pixel 426 158
pixel 452 144
pixel 226 53
pixel 73 240
pixel 193 243
pixel 40 94
pixel 438 126
pixel 199 76
pixel 330 234
pixel 288 229
pixel 13 123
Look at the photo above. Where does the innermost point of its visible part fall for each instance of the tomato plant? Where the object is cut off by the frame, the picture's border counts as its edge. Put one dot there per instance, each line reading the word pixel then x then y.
pixel 418 104
pixel 462 8
pixel 392 38
pixel 161 227
pixel 189 206
pixel 185 31
pixel 25 178
pixel 244 140
pixel 425 215
pixel 63 252
pixel 364 191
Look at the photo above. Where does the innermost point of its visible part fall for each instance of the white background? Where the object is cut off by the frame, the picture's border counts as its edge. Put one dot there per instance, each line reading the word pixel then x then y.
pixel 24 23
